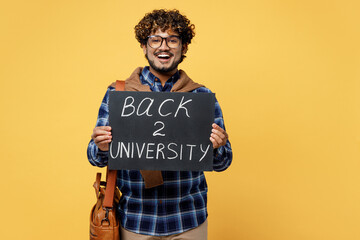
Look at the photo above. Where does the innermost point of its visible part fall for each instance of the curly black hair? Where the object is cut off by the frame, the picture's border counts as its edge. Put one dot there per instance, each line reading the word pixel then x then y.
pixel 165 19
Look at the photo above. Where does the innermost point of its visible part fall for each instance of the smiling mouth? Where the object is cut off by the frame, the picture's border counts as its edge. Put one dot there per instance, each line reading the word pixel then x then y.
pixel 164 56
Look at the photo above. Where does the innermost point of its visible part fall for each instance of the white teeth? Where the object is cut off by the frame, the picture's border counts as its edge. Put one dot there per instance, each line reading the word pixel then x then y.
pixel 163 55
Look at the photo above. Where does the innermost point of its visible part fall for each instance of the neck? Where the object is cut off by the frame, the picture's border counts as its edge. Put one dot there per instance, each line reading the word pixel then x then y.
pixel 163 76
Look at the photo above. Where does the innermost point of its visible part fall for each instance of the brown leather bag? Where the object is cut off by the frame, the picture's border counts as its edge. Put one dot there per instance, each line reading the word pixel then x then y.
pixel 104 223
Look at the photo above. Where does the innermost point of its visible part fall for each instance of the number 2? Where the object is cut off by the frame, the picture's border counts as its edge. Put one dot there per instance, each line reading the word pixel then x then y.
pixel 156 133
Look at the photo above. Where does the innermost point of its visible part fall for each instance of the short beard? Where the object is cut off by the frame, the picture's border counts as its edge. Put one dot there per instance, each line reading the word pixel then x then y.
pixel 165 69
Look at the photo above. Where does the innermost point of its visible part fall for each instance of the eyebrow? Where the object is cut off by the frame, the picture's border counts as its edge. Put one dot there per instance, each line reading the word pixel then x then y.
pixel 164 37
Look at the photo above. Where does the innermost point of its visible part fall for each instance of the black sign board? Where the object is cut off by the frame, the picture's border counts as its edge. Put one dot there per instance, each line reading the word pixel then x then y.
pixel 161 131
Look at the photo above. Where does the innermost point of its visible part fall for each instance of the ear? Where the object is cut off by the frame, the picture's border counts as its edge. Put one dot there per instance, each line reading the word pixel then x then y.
pixel 144 48
pixel 184 49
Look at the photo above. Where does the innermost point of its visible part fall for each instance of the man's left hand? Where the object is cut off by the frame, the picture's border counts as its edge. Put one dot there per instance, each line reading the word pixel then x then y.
pixel 218 136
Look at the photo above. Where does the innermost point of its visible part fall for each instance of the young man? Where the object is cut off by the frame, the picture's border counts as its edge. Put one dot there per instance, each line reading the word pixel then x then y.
pixel 178 205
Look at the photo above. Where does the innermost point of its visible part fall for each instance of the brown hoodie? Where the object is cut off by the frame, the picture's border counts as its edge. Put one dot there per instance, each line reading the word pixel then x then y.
pixel 183 84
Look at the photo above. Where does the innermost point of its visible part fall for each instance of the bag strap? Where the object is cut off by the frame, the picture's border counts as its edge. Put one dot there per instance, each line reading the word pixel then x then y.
pixel 111 175
pixel 120 85
pixel 110 188
pixel 97 184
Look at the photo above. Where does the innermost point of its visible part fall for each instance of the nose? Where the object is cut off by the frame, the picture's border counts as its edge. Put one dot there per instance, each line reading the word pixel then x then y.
pixel 164 45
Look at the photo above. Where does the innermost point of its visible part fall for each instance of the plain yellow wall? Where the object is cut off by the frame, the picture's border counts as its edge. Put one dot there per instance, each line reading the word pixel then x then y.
pixel 286 73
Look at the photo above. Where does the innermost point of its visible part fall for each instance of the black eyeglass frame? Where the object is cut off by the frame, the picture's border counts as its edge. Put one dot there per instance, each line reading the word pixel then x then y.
pixel 162 40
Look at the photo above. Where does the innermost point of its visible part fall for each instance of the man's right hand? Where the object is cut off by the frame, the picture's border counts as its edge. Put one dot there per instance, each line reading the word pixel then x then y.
pixel 102 137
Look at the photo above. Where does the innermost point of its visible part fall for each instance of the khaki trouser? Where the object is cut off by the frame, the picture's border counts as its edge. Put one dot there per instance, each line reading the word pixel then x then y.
pixel 199 233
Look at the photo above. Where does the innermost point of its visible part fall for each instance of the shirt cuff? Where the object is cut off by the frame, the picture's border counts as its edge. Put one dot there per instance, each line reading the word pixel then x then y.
pixel 101 153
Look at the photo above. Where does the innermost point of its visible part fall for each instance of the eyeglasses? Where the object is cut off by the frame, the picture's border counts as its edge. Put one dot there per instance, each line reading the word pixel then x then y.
pixel 155 41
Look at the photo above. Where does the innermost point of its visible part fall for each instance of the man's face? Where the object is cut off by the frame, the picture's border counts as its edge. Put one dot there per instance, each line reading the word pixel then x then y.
pixel 164 59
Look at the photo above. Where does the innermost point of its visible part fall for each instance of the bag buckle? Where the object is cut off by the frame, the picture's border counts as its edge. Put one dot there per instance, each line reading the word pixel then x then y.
pixel 106 218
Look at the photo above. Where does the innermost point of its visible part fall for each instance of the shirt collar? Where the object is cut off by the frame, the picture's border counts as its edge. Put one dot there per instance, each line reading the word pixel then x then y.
pixel 148 78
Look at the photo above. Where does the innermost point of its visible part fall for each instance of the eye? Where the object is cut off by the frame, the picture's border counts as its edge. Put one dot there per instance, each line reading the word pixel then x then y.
pixel 173 40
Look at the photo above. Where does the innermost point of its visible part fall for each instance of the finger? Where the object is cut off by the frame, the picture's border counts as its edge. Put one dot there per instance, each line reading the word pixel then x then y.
pixel 219 133
pixel 105 142
pixel 97 134
pixel 219 137
pixel 100 133
pixel 214 125
pixel 214 143
pixel 217 127
pixel 216 138
pixel 222 134
pixel 103 130
pixel 107 128
pixel 102 138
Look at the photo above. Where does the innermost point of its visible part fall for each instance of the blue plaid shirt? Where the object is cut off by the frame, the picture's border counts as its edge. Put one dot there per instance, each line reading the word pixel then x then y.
pixel 180 204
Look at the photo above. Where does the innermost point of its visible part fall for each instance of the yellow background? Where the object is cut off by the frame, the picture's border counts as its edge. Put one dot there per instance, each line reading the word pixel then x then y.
pixel 286 73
